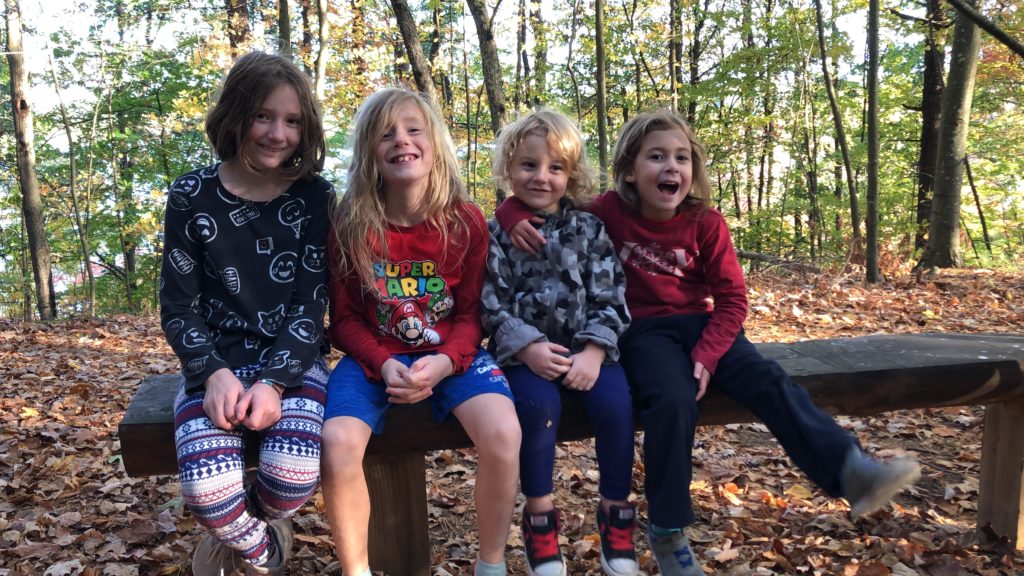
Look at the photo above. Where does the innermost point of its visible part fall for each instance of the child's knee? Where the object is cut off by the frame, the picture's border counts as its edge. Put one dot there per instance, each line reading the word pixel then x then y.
pixel 342 446
pixel 501 440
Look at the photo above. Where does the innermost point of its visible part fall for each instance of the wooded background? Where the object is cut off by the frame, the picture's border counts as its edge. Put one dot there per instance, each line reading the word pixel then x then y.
pixel 836 148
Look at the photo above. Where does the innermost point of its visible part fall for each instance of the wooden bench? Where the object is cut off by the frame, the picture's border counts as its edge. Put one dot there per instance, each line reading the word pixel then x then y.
pixel 853 376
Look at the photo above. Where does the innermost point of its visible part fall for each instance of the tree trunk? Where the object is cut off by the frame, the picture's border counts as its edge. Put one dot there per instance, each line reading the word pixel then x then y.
pixel 421 73
pixel 31 201
pixel 540 54
pixel 237 12
pixel 284 29
pixel 977 204
pixel 943 250
pixel 490 63
pixel 931 107
pixel 81 221
pixel 675 50
pixel 840 131
pixel 602 93
pixel 872 272
pixel 569 60
pixel 519 93
pixel 322 51
pixel 306 44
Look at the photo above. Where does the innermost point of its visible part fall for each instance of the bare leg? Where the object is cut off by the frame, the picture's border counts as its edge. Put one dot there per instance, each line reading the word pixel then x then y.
pixel 345 491
pixel 491 422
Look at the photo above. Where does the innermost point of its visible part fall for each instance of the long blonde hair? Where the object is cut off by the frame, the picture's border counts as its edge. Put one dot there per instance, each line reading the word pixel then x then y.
pixel 564 140
pixel 627 148
pixel 360 227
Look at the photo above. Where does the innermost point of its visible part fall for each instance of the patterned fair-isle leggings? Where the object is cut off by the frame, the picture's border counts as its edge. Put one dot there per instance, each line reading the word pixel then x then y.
pixel 211 464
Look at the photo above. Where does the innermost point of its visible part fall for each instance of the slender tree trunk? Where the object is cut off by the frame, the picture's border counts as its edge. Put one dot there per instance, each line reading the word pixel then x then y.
pixel 323 37
pixel 421 73
pixel 237 12
pixel 521 93
pixel 675 50
pixel 977 204
pixel 31 201
pixel 490 63
pixel 81 223
pixel 570 59
pixel 943 250
pixel 540 54
pixel 306 44
pixel 872 192
pixel 931 108
pixel 284 29
pixel 840 131
pixel 602 93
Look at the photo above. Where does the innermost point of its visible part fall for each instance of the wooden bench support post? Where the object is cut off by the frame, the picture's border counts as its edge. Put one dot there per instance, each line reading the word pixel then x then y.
pixel 399 544
pixel 1001 490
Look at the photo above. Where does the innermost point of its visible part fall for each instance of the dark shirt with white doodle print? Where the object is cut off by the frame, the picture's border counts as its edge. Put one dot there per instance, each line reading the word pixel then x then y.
pixel 244 283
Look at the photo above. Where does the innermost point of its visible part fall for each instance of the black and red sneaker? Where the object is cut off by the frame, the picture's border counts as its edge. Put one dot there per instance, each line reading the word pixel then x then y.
pixel 540 537
pixel 618 555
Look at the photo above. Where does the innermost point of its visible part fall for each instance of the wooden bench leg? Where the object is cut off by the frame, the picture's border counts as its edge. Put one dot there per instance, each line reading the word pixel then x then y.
pixel 1001 498
pixel 399 544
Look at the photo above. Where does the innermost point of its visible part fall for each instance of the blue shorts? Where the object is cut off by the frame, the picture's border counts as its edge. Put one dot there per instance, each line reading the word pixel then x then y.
pixel 351 393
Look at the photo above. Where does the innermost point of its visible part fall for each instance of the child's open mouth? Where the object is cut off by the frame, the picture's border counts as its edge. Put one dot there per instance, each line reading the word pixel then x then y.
pixel 668 187
pixel 403 158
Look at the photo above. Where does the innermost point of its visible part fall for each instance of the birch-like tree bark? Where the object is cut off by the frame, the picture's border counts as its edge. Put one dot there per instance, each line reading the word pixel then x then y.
pixel 421 73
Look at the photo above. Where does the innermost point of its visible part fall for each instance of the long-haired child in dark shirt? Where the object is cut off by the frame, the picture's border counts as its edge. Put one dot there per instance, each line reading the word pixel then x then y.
pixel 242 300
pixel 686 294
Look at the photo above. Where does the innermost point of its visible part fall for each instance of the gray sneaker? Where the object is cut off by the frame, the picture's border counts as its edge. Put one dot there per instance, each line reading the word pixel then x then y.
pixel 674 555
pixel 869 484
pixel 214 558
pixel 281 537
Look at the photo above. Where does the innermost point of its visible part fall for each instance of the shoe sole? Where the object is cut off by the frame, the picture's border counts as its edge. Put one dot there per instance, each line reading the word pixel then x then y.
pixel 881 496
pixel 609 571
pixel 530 572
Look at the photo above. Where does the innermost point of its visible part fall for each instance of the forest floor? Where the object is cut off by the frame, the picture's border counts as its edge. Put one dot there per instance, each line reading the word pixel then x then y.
pixel 67 507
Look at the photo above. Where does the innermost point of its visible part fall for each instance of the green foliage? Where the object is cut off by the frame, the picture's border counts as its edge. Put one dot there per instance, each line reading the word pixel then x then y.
pixel 138 76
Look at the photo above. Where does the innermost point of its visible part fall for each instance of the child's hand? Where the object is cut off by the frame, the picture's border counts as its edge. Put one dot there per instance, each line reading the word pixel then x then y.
pixel 527 238
pixel 259 408
pixel 546 359
pixel 399 384
pixel 223 391
pixel 429 370
pixel 702 376
pixel 586 367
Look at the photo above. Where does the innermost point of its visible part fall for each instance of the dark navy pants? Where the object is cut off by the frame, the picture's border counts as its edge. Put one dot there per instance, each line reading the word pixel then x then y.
pixel 656 356
pixel 539 406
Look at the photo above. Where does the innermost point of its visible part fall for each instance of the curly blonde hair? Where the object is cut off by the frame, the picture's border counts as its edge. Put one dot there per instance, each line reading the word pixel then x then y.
pixel 564 140
pixel 627 148
pixel 360 225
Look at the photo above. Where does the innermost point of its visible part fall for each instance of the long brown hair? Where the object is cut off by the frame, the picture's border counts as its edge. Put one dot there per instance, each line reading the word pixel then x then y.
pixel 252 78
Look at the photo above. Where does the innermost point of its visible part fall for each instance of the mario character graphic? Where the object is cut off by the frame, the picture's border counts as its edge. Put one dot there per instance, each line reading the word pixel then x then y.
pixel 413 300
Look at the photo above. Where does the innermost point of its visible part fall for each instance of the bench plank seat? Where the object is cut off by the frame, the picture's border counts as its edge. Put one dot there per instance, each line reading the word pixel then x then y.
pixel 857 376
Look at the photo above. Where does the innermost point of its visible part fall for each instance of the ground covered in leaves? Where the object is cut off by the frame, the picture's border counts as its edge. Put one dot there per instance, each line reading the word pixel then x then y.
pixel 67 507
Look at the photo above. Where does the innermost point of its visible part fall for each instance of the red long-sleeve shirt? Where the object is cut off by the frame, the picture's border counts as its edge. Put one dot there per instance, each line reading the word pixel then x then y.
pixel 684 265
pixel 425 298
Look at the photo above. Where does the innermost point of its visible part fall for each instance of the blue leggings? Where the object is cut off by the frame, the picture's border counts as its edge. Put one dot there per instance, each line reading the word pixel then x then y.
pixel 211 464
pixel 539 406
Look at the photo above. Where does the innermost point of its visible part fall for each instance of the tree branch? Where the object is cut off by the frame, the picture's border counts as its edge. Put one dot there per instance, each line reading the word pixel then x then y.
pixel 988 26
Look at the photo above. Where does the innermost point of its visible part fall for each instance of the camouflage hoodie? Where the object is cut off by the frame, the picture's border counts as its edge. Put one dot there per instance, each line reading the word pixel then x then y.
pixel 571 293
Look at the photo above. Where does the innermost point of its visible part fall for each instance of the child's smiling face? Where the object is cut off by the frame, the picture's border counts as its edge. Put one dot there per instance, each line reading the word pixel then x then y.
pixel 662 173
pixel 537 175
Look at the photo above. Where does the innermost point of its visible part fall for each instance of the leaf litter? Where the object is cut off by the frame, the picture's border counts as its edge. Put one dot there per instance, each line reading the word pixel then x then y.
pixel 68 509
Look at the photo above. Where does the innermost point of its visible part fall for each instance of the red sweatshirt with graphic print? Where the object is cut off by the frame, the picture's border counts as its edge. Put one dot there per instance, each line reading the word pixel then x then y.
pixel 425 298
pixel 685 265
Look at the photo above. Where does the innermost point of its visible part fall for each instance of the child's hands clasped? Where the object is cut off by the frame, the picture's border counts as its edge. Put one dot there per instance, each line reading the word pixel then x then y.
pixel 586 367
pixel 410 384
pixel 547 359
pixel 228 404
